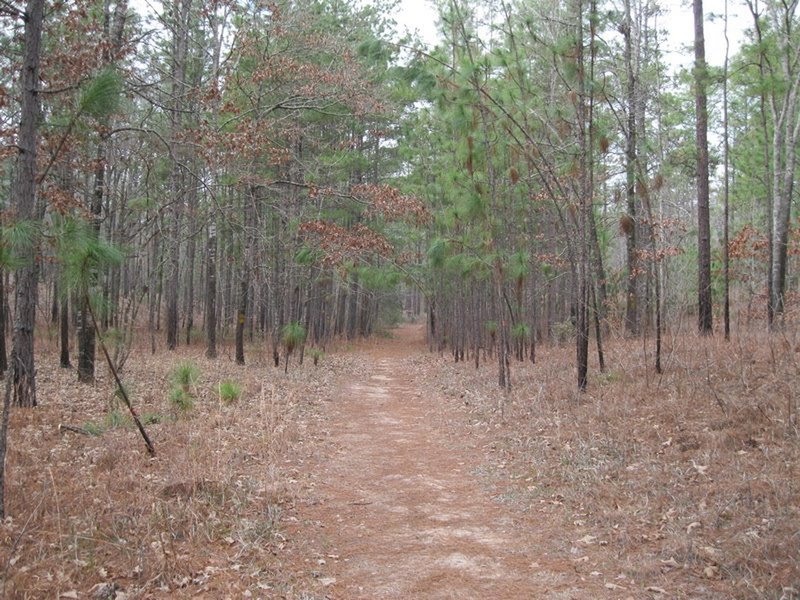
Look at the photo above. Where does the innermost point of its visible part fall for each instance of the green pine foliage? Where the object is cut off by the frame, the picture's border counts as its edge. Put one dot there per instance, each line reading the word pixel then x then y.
pixel 316 355
pixel 101 97
pixel 14 239
pixel 229 391
pixel 183 380
pixel 293 335
pixel 520 331
pixel 82 253
pixel 181 399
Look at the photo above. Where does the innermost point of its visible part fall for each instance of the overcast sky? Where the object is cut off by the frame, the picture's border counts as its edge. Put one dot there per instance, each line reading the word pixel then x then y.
pixel 420 16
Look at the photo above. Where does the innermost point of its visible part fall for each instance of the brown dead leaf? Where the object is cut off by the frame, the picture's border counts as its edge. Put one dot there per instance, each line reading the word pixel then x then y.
pixel 711 572
pixel 692 526
pixel 670 563
pixel 614 586
pixel 711 554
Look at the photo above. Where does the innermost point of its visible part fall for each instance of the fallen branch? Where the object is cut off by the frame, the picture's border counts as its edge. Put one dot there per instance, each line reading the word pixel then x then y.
pixel 123 394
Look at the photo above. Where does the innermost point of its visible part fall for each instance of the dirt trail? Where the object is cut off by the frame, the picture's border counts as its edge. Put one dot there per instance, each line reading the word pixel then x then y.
pixel 393 506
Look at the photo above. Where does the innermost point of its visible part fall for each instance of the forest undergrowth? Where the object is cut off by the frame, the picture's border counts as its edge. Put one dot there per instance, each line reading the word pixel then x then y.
pixel 690 479
pixel 92 515
pixel 682 485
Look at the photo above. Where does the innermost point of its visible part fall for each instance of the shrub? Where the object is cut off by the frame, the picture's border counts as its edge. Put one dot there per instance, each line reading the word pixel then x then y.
pixel 292 335
pixel 181 398
pixel 520 331
pixel 229 391
pixel 184 379
pixel 316 354
pixel 185 375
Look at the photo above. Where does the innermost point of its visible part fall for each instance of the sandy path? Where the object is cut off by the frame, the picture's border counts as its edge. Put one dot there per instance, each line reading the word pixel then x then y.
pixel 394 508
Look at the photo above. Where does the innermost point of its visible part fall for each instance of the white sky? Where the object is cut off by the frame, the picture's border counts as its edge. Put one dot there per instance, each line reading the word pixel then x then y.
pixel 420 16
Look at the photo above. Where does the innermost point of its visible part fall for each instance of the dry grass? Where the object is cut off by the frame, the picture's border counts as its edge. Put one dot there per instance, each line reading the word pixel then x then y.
pixel 686 483
pixel 203 516
pixel 683 485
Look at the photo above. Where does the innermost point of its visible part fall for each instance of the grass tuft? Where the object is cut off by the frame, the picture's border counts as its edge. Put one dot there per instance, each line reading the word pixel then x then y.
pixel 229 391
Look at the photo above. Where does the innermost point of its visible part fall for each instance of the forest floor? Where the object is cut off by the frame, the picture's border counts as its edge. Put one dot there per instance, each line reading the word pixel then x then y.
pixel 391 472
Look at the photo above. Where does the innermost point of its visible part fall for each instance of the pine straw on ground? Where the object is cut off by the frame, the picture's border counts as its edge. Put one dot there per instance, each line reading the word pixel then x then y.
pixel 95 516
pixel 683 485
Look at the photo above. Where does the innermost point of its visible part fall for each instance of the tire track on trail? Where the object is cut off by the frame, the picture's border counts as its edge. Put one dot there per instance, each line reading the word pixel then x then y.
pixel 393 508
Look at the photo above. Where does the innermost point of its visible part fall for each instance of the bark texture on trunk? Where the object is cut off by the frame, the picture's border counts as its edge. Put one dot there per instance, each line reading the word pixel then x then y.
pixel 704 304
pixel 27 279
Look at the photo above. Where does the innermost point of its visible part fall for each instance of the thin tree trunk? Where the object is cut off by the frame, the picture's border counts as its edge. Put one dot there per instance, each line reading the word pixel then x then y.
pixel 784 100
pixel 704 308
pixel 190 259
pixel 86 337
pixel 64 331
pixel 246 270
pixel 628 222
pixel 154 292
pixel 584 116
pixel 768 166
pixel 211 291
pixel 3 325
pixel 726 175
pixel 241 316
pixel 181 10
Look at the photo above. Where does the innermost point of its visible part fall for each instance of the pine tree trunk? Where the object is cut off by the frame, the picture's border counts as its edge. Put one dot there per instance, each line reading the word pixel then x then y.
pixel 704 310
pixel 628 223
pixel 3 325
pixel 181 10
pixel 54 303
pixel 190 259
pixel 211 291
pixel 726 314
pixel 64 334
pixel 584 116
pixel 86 344
pixel 86 337
pixel 24 191
pixel 241 316
pixel 245 270
pixel 153 291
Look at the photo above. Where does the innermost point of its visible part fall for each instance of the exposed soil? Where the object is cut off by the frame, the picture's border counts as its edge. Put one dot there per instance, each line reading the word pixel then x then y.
pixel 395 505
pixel 389 471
